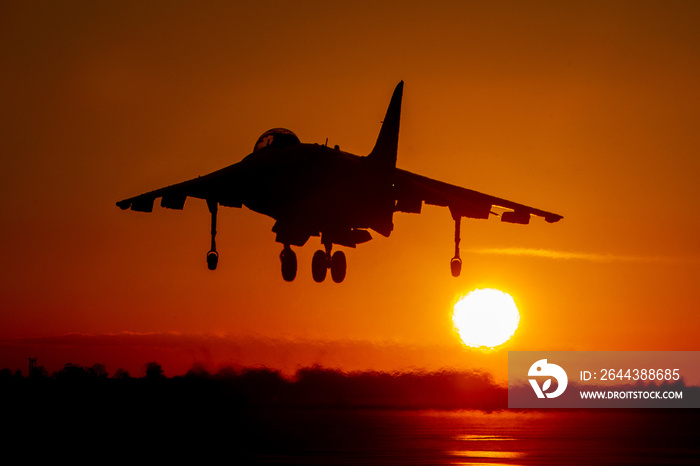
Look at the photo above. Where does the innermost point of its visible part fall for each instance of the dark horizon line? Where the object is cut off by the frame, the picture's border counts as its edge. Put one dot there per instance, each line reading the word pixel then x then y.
pixel 311 386
pixel 154 369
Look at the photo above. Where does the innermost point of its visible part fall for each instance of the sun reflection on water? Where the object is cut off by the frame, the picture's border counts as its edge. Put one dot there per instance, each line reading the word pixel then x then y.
pixel 486 453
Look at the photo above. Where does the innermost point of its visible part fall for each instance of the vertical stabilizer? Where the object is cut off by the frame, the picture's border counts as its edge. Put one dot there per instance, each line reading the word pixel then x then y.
pixel 384 152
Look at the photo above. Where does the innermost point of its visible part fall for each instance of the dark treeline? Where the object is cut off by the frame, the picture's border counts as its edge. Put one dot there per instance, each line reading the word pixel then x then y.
pixel 312 386
pixel 239 413
pixel 255 415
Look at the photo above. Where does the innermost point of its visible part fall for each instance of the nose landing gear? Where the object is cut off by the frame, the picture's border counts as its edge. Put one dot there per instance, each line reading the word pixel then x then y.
pixel 289 263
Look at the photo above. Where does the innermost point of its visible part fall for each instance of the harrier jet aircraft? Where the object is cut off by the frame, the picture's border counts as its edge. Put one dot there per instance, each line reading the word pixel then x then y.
pixel 313 190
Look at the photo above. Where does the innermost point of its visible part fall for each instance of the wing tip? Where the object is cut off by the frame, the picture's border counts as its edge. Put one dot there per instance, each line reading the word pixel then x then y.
pixel 123 205
pixel 138 204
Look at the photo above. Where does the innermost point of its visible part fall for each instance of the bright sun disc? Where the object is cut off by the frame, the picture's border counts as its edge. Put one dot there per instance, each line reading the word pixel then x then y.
pixel 486 318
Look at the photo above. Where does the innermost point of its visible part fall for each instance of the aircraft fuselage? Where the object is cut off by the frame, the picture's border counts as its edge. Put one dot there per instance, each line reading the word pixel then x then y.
pixel 312 189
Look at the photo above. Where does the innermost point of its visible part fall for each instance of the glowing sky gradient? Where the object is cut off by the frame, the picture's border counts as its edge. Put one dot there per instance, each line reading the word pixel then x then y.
pixel 587 109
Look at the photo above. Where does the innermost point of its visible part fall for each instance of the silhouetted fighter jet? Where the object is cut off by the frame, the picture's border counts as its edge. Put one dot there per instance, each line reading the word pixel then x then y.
pixel 313 190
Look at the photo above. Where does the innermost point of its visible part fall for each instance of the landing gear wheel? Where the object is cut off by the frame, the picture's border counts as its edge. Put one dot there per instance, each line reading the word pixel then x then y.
pixel 289 264
pixel 338 266
pixel 456 262
pixel 456 266
pixel 212 260
pixel 212 255
pixel 319 266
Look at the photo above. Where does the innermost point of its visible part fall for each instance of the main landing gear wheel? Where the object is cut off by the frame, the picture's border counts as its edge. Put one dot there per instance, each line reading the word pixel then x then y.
pixel 323 260
pixel 289 264
pixel 338 266
pixel 319 266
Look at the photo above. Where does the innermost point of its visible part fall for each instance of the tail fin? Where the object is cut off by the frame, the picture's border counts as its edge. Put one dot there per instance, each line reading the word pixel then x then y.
pixel 385 150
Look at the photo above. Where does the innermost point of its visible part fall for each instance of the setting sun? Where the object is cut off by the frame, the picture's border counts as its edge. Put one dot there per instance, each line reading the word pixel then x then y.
pixel 485 318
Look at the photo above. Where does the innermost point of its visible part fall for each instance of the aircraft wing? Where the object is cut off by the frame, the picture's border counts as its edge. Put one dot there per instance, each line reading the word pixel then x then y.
pixel 218 186
pixel 413 190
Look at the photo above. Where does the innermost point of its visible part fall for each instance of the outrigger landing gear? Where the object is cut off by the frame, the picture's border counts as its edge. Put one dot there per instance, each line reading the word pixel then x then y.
pixel 212 255
pixel 289 263
pixel 456 262
pixel 323 260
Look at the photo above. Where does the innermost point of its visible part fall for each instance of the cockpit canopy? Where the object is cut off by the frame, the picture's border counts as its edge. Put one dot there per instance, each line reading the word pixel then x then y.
pixel 276 137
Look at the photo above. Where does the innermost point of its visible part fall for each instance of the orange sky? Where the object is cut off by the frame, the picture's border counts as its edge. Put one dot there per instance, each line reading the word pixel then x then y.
pixel 586 109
